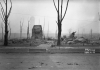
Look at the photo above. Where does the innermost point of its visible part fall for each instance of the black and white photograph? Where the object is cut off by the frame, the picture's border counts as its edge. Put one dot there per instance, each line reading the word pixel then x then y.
pixel 49 34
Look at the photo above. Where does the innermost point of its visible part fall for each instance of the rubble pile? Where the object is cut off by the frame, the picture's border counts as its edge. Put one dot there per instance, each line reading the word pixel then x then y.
pixel 37 42
pixel 18 41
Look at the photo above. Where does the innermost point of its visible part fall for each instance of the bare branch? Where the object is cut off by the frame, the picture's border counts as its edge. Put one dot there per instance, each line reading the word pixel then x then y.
pixel 55 5
pixel 2 10
pixel 10 9
pixel 3 14
pixel 61 7
pixel 57 22
pixel 2 18
pixel 61 10
pixel 65 10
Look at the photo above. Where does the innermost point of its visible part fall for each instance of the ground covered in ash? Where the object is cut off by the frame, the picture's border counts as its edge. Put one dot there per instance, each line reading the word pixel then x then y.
pixel 29 42
pixel 23 42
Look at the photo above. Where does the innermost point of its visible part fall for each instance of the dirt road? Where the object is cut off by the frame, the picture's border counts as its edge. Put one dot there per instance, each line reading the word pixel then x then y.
pixel 37 61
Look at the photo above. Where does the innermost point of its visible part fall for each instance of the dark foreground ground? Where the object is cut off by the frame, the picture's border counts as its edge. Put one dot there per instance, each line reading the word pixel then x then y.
pixel 44 61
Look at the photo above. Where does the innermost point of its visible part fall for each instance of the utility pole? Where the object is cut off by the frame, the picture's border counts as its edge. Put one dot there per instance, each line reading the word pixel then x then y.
pixel 48 31
pixel 44 24
pixel 91 33
pixel 78 33
pixel 43 28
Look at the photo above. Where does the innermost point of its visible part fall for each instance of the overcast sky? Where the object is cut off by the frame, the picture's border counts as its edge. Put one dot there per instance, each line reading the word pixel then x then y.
pixel 81 15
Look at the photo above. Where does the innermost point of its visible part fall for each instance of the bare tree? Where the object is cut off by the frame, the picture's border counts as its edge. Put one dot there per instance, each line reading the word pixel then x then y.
pixel 21 28
pixel 60 17
pixel 5 15
pixel 28 34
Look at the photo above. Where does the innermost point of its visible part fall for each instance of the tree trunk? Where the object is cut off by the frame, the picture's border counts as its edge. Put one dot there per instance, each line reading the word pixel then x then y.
pixel 6 32
pixel 60 18
pixel 59 34
pixel 6 28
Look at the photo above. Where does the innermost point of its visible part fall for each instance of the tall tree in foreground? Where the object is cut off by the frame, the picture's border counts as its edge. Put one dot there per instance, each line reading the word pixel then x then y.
pixel 60 17
pixel 5 15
